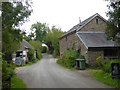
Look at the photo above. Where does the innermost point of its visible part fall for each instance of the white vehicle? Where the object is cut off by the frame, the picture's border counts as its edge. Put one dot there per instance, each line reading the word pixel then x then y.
pixel 21 57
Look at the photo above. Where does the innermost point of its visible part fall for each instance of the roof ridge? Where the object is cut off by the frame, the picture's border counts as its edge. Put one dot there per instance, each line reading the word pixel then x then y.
pixel 89 19
pixel 27 43
pixel 83 23
pixel 96 14
pixel 90 32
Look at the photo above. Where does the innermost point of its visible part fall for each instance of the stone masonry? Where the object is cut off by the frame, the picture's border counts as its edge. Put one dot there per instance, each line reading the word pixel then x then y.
pixel 71 40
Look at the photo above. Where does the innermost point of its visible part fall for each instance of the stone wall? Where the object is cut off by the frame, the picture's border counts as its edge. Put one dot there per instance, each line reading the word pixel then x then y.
pixel 92 55
pixel 93 26
pixel 71 40
pixel 62 45
pixel 68 42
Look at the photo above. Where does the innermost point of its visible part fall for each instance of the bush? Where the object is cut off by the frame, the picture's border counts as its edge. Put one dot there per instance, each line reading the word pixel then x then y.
pixel 60 61
pixel 7 73
pixel 105 65
pixel 80 56
pixel 31 56
pixel 55 53
pixel 38 46
pixel 104 75
pixel 38 54
pixel 68 59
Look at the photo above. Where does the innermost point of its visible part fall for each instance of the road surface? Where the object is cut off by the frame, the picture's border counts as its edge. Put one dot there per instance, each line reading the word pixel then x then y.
pixel 47 74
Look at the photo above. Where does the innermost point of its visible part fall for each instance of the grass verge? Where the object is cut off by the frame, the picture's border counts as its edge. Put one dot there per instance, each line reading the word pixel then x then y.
pixel 17 83
pixel 106 78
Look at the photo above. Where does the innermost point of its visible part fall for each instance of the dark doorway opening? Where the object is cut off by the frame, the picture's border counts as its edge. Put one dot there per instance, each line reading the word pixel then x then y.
pixel 44 49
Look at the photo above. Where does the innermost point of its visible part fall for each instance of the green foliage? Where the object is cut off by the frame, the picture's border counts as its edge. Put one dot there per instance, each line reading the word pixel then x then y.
pixel 31 56
pixel 68 59
pixel 105 65
pixel 105 78
pixel 40 31
pixel 31 63
pixel 29 37
pixel 53 37
pixel 46 35
pixel 38 46
pixel 104 72
pixel 13 15
pixel 7 73
pixel 80 56
pixel 55 53
pixel 17 83
pixel 39 54
pixel 113 25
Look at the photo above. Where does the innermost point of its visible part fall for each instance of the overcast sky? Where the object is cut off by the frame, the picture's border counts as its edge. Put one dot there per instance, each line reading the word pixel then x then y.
pixel 64 13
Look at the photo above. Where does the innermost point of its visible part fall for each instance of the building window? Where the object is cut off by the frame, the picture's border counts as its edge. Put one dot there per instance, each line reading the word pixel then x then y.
pixel 96 21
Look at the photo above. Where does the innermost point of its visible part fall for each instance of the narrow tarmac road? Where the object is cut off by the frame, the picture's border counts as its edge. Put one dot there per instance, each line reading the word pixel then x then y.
pixel 47 74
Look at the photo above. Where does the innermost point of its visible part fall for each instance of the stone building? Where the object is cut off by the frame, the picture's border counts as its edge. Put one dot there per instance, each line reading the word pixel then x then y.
pixel 95 45
pixel 89 32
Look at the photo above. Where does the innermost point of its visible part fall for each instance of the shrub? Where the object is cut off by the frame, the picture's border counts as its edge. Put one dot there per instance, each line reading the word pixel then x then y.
pixel 68 59
pixel 105 64
pixel 55 53
pixel 7 73
pixel 38 54
pixel 80 56
pixel 31 56
pixel 60 61
pixel 38 46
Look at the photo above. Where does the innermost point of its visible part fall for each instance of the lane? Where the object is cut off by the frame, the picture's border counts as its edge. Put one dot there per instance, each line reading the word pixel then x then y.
pixel 47 74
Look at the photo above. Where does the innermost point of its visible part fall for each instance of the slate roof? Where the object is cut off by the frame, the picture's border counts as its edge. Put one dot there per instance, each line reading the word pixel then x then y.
pixel 95 39
pixel 25 44
pixel 82 24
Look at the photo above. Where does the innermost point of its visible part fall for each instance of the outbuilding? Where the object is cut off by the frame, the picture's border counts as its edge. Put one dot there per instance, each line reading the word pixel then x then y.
pixel 95 45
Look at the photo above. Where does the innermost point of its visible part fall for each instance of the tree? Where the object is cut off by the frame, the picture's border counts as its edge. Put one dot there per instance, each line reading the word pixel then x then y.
pixel 14 14
pixel 113 25
pixel 52 39
pixel 29 37
pixel 40 31
pixel 38 47
pixel 48 36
